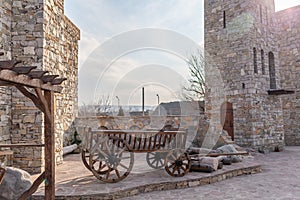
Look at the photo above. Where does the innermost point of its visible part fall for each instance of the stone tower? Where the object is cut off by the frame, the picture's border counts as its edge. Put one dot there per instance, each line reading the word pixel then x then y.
pixel 240 40
pixel 37 33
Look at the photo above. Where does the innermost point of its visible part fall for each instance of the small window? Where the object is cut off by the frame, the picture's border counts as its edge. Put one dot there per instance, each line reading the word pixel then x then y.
pixel 263 62
pixel 267 18
pixel 260 14
pixel 255 60
pixel 224 19
pixel 272 71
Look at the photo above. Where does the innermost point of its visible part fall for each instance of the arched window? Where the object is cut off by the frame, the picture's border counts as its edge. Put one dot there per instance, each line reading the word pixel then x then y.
pixel 262 54
pixel 255 60
pixel 272 71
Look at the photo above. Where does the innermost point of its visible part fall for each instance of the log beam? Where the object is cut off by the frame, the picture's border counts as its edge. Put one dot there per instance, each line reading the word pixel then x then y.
pixel 49 148
pixel 13 77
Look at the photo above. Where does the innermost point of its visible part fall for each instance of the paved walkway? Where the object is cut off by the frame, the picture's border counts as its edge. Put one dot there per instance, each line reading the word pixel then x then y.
pixel 280 179
pixel 74 181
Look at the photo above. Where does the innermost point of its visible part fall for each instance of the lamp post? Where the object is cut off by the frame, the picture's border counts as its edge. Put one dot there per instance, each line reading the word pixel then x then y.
pixel 158 104
pixel 118 102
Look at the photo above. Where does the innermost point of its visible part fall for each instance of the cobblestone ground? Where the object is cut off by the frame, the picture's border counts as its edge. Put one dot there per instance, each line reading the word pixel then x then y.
pixel 280 179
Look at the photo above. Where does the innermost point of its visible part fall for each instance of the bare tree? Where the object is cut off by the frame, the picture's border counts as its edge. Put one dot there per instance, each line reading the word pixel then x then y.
pixel 103 105
pixel 100 107
pixel 195 89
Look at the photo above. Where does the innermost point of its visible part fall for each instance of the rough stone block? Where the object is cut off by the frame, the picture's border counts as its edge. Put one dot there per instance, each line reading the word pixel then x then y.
pixel 15 183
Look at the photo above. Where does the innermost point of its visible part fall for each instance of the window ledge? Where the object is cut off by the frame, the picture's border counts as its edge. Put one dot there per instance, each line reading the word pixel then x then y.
pixel 280 92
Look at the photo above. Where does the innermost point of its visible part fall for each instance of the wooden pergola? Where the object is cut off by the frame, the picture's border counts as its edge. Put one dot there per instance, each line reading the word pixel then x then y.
pixel 40 87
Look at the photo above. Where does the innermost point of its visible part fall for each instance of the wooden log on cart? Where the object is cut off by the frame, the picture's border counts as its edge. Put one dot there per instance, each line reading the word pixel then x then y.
pixel 69 149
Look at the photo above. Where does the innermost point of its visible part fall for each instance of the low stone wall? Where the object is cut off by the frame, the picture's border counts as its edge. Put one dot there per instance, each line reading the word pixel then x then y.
pixel 195 125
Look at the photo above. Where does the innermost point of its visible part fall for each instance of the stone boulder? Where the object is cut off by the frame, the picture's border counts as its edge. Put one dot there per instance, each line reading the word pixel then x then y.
pixel 227 149
pixel 14 184
pixel 229 159
pixel 224 139
pixel 204 164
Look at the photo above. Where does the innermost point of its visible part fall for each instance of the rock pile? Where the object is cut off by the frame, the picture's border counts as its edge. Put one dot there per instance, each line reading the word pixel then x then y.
pixel 206 160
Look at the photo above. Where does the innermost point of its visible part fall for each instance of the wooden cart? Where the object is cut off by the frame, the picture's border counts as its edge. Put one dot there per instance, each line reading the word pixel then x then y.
pixel 108 154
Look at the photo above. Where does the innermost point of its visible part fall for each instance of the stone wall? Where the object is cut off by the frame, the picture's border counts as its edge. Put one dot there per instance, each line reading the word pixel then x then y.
pixel 38 34
pixel 61 57
pixel 234 32
pixel 5 114
pixel 289 34
pixel 5 49
pixel 27 46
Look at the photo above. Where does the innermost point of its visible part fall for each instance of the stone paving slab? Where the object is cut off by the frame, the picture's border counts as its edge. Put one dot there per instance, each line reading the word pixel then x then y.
pixel 279 180
pixel 74 181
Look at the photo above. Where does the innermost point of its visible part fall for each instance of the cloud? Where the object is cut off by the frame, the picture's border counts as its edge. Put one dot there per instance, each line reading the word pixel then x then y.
pixel 87 44
pixel 101 21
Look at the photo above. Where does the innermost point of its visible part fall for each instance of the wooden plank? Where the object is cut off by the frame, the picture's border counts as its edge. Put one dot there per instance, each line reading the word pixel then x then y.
pixel 23 70
pixel 221 154
pixel 49 148
pixel 5 83
pixel 134 142
pixel 48 78
pixel 24 80
pixel 21 145
pixel 140 141
pixel 8 64
pixel 58 81
pixel 37 74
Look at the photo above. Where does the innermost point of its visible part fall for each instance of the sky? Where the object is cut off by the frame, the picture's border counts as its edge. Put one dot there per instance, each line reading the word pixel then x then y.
pixel 116 60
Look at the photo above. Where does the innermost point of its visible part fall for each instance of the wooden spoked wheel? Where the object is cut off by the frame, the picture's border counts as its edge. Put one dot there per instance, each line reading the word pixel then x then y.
pixel 85 155
pixel 156 160
pixel 85 158
pixel 177 163
pixel 110 162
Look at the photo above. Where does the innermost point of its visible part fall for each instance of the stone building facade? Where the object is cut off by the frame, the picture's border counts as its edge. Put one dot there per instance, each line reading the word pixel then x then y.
pixel 257 52
pixel 37 33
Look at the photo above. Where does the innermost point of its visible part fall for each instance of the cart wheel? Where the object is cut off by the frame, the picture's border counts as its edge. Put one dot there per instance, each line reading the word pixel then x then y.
pixel 111 163
pixel 85 158
pixel 156 159
pixel 177 163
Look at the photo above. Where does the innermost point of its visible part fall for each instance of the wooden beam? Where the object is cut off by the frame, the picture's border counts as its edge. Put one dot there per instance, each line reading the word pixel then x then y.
pixel 13 77
pixel 33 98
pixel 34 187
pixel 43 100
pixel 4 83
pixel 23 70
pixel 21 145
pixel 58 81
pixel 2 173
pixel 49 148
pixel 8 64
pixel 37 74
pixel 48 78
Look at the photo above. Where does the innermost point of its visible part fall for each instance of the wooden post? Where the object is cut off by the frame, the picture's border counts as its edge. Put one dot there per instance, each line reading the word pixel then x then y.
pixel 49 148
